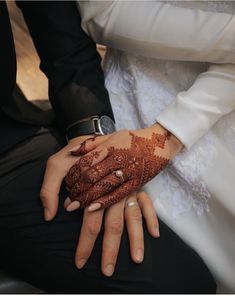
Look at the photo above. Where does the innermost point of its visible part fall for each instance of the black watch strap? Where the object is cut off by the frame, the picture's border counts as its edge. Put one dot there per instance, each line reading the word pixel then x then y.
pixel 81 128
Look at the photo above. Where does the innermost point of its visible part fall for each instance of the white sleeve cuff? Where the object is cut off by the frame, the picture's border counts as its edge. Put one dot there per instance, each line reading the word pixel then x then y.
pixel 195 111
pixel 183 122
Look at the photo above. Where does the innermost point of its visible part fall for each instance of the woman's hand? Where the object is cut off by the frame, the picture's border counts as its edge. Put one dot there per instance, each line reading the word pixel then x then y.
pixel 119 166
pixel 129 210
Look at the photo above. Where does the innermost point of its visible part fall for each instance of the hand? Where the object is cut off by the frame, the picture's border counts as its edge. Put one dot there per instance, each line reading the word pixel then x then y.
pixel 120 165
pixel 57 167
pixel 114 224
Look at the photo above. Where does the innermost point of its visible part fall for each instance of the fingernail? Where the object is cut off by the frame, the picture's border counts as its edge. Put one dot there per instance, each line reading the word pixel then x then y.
pixel 157 233
pixel 94 207
pixel 81 263
pixel 109 269
pixel 139 256
pixel 73 206
pixel 67 202
pixel 47 215
pixel 74 149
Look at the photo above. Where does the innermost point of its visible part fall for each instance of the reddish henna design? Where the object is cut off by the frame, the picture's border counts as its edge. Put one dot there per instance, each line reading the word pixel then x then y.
pixel 140 169
pixel 75 171
pixel 82 149
pixel 138 163
pixel 100 188
pixel 118 194
pixel 106 167
pixel 102 169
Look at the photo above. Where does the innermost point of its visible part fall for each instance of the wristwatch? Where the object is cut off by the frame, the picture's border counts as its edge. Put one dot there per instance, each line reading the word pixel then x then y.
pixel 95 125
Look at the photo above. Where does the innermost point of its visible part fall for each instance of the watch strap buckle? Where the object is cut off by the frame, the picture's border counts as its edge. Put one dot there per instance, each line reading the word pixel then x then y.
pixel 96 126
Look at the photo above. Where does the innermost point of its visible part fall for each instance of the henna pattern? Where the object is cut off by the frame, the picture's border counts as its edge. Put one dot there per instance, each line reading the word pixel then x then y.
pixel 76 170
pixel 82 149
pixel 100 188
pixel 138 163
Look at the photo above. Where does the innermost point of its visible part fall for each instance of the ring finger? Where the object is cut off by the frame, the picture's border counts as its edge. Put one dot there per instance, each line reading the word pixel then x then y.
pixel 134 223
pixel 107 185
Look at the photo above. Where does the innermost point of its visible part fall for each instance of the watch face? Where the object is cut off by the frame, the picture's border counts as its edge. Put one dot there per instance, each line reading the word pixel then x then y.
pixel 106 125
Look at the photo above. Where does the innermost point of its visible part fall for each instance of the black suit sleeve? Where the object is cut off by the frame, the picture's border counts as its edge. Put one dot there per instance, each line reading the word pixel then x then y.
pixel 68 58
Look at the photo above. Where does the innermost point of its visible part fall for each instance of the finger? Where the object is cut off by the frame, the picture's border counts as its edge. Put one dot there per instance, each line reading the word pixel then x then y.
pixel 98 140
pixel 114 223
pixel 103 187
pixel 87 161
pixel 90 230
pixel 133 218
pixel 74 172
pixel 82 148
pixel 49 193
pixel 82 165
pixel 89 145
pixel 149 213
pixel 115 196
pixel 72 176
pixel 101 169
pixel 92 158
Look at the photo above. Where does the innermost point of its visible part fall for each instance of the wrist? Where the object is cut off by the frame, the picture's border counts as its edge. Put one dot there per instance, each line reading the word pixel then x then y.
pixel 174 144
pixel 93 125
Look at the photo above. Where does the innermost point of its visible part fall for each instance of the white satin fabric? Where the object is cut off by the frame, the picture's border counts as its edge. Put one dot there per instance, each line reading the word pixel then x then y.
pixel 177 64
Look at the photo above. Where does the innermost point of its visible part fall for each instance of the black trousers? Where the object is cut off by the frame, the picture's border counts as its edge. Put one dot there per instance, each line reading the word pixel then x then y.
pixel 42 253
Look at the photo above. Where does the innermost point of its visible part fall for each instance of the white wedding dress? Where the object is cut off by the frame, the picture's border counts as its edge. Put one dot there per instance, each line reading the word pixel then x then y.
pixel 195 194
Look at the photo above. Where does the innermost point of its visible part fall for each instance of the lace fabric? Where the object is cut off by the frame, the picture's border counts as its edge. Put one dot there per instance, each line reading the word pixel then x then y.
pixel 211 5
pixel 183 182
pixel 140 88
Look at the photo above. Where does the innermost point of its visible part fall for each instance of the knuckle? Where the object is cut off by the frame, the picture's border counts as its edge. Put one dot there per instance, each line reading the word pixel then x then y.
pixel 89 176
pixel 116 227
pixel 94 228
pixel 52 160
pixel 43 193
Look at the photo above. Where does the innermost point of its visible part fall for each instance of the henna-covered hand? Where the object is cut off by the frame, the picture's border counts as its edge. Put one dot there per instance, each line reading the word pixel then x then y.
pixel 120 165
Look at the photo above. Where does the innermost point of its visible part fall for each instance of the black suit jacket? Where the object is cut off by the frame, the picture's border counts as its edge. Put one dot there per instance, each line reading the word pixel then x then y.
pixel 68 58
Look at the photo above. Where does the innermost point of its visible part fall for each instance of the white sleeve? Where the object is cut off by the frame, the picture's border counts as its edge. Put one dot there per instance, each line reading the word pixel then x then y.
pixel 161 30
pixel 196 110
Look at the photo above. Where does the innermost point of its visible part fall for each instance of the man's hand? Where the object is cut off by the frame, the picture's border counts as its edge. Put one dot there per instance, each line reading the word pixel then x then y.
pixel 57 167
pixel 129 210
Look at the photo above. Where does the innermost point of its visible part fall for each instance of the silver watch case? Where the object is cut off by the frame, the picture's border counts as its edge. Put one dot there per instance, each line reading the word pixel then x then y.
pixel 103 125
